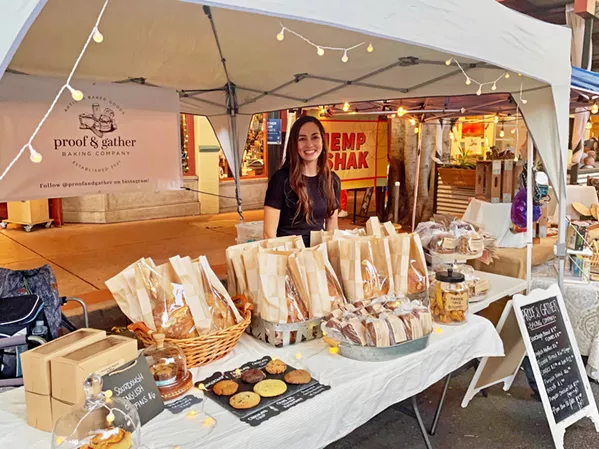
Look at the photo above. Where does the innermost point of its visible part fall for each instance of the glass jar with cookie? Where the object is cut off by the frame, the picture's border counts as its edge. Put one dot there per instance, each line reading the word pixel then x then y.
pixel 449 298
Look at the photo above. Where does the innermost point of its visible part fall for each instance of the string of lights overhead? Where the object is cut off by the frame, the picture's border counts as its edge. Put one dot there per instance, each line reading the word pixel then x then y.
pixel 77 95
pixel 320 49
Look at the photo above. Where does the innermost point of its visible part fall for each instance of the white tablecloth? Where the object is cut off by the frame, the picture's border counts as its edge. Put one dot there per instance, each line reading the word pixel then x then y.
pixel 359 391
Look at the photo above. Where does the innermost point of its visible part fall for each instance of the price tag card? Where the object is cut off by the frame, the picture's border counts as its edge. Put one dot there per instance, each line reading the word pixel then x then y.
pixel 134 382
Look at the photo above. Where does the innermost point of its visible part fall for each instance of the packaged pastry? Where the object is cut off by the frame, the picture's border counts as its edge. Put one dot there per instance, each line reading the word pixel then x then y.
pixel 470 243
pixel 449 298
pixel 397 329
pixel 354 331
pixel 412 323
pixel 425 317
pixel 296 309
pixel 427 229
pixel 460 226
pixel 170 312
pixel 377 333
pixel 442 243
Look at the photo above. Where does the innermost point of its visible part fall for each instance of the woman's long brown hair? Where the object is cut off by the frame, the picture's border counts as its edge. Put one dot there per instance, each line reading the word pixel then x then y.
pixel 296 175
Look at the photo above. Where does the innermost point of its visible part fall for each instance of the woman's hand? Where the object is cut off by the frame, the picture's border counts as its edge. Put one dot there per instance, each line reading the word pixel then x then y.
pixel 332 222
pixel 271 222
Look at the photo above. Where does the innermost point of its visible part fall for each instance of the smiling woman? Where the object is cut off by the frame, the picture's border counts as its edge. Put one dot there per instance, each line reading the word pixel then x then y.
pixel 303 196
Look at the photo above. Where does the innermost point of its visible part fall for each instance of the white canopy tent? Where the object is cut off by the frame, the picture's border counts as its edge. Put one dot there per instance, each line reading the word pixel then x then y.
pixel 227 63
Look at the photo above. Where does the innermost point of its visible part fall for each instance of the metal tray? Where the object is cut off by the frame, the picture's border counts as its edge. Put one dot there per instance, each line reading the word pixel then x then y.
pixel 370 354
pixel 280 335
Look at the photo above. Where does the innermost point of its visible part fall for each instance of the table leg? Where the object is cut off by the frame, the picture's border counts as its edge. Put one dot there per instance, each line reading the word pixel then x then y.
pixel 421 423
pixel 355 201
pixel 440 405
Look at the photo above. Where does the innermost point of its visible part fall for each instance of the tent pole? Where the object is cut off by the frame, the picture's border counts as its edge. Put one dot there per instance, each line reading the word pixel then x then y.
pixel 237 163
pixel 560 248
pixel 417 181
pixel 529 210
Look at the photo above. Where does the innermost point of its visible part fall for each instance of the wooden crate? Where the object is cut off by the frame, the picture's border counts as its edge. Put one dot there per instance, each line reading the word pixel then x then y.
pixel 28 212
pixel 497 181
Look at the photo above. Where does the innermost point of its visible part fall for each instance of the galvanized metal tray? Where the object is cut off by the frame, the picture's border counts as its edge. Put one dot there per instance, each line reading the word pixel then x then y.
pixel 280 335
pixel 370 354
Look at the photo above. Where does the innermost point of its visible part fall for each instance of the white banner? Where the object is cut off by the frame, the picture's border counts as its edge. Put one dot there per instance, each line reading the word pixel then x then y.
pixel 118 138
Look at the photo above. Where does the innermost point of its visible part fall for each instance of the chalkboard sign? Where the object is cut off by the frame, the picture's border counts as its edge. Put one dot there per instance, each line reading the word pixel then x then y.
pixel 555 359
pixel 134 382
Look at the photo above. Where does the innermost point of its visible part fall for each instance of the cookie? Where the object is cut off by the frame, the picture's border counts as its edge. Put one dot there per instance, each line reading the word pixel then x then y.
pixel 276 367
pixel 253 376
pixel 244 400
pixel 298 377
pixel 270 388
pixel 225 388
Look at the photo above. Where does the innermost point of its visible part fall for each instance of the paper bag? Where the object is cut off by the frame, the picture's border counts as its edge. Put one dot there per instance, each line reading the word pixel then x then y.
pixel 399 247
pixel 319 301
pixel 373 227
pixel 122 287
pixel 350 264
pixel 252 277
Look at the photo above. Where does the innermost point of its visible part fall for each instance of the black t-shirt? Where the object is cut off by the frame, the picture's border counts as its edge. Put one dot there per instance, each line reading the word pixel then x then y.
pixel 280 196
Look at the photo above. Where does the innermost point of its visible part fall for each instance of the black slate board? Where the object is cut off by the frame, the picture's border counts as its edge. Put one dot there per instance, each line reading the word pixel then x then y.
pixel 268 407
pixel 556 358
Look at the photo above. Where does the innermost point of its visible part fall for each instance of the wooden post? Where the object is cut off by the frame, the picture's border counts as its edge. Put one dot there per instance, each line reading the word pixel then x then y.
pixel 482 190
pixel 56 211
pixel 508 182
pixel 496 182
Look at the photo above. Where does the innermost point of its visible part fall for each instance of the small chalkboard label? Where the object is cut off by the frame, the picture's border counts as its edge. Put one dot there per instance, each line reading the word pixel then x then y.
pixel 183 403
pixel 555 356
pixel 134 382
pixel 555 359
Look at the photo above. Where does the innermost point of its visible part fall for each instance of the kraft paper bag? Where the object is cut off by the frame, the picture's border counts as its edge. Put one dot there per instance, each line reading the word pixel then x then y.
pixel 273 300
pixel 297 271
pixel 319 301
pixel 351 265
pixel 142 269
pixel 373 227
pixel 235 270
pixel 218 287
pixel 399 246
pixel 198 308
pixel 122 287
pixel 252 277
pixel 389 229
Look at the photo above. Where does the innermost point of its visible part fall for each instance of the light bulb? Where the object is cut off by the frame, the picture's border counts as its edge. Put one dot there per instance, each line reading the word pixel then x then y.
pixel 468 81
pixel 345 106
pixel 401 111
pixel 34 155
pixel 523 101
pixel 589 125
pixel 416 130
pixel 344 58
pixel 594 108
pixel 448 62
pixel 413 122
pixel 451 136
pixel 98 38
pixel 513 131
pixel 501 133
pixel 496 118
pixel 392 115
pixel 479 91
pixel 370 48
pixel 494 86
pixel 507 75
pixel 320 51
pixel 281 35
pixel 76 94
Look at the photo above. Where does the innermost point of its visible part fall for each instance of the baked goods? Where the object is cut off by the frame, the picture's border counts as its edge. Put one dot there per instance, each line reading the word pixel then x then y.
pixel 449 298
pixel 296 309
pixel 377 333
pixel 244 400
pixel 470 243
pixel 164 373
pixel 353 330
pixel 253 376
pixel 115 438
pixel 276 367
pixel 225 388
pixel 298 377
pixel 270 388
pixel 397 330
pixel 442 243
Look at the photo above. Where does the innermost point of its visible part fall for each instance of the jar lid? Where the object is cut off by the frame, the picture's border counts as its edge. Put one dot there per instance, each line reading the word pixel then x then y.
pixel 450 276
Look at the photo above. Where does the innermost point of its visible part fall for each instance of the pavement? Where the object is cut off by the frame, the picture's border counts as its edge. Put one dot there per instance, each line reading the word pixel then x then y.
pixel 502 420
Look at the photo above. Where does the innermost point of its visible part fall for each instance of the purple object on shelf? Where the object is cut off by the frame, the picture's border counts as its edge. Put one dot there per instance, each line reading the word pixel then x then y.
pixel 518 213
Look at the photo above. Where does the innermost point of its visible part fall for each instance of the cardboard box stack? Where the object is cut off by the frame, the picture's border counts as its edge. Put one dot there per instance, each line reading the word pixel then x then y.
pixel 53 373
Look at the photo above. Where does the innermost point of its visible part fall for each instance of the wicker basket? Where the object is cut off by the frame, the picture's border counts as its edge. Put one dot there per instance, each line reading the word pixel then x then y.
pixel 207 348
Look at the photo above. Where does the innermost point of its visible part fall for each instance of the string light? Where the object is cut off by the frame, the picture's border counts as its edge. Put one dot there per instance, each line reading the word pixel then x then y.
pixel 320 49
pixel 451 136
pixel 416 130
pixel 98 38
pixel 34 156
pixel 76 94
pixel 334 350
pixel 496 118
pixel 298 356
pixel 413 121
pixel 345 106
pixel 393 115
pixel 513 131
pixel 594 108
pixel 502 132
pixel 589 125
pixel 470 80
pixel 401 111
